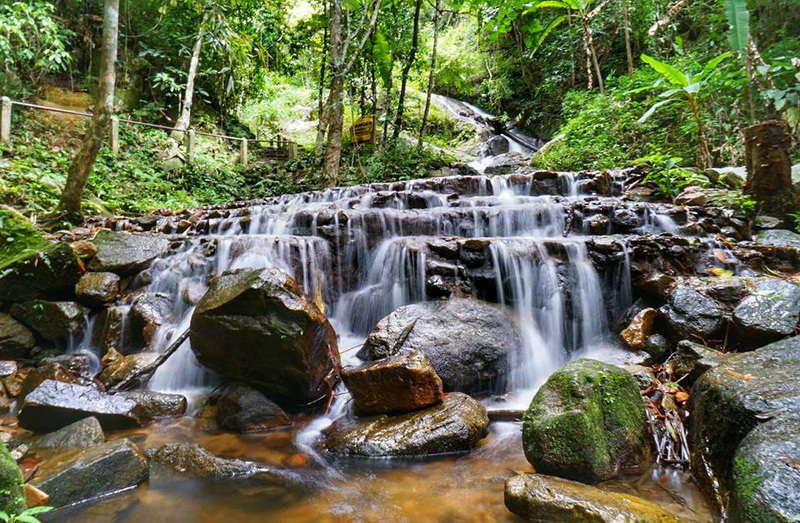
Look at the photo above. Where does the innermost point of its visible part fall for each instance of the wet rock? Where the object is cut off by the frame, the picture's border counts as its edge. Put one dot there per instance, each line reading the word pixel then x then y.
pixel 193 460
pixel 625 217
pixel 727 290
pixel 257 326
pixel 54 404
pixel 157 404
pixel 15 339
pixel 455 425
pixel 400 383
pixel 690 313
pixel 468 342
pixel 494 146
pixel 586 423
pixel 121 368
pixel 124 253
pixel 543 498
pixel 779 238
pixel 51 273
pixel 51 371
pixel 51 319
pixel 770 312
pixel 86 432
pixel 767 222
pixel 106 469
pixel 644 376
pixel 505 164
pixel 692 360
pixel 149 311
pixel 744 432
pixel 244 409
pixel 97 288
pixel 635 334
pixel 691 196
pixel 12 490
pixel 657 346
pixel 598 224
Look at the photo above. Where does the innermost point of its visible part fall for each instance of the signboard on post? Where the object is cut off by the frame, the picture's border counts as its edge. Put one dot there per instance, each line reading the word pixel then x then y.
pixel 362 130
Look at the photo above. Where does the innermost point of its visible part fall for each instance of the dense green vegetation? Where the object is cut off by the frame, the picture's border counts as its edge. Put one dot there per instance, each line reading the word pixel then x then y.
pixel 686 90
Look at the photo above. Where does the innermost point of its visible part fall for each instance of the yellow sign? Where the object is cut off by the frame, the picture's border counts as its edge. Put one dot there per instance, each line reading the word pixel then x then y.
pixel 362 130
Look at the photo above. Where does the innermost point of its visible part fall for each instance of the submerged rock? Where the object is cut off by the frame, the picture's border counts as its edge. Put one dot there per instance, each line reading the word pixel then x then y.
pixel 770 311
pixel 193 460
pixel 244 409
pixel 97 288
pixel 124 253
pixel 154 404
pixel 55 404
pixel 455 425
pixel 106 469
pixel 468 342
pixel 15 339
pixel 51 273
pixel 83 433
pixel 12 489
pixel 400 383
pixel 543 498
pixel 746 417
pixel 586 423
pixel 257 326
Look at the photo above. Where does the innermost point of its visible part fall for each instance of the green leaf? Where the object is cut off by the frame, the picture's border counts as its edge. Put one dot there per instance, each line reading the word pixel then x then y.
pixel 37 510
pixel 652 109
pixel 555 23
pixel 739 19
pixel 551 3
pixel 672 74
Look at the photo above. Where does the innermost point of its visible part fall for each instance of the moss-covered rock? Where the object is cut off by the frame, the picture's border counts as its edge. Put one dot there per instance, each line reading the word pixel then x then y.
pixel 12 489
pixel 50 272
pixel 586 423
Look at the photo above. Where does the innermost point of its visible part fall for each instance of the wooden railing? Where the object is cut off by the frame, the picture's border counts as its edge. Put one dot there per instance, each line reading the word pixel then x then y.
pixel 276 148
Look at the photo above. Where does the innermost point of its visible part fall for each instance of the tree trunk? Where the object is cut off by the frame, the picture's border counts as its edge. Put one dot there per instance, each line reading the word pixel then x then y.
pixel 186 108
pixel 431 75
pixel 334 116
pixel 769 167
pixel 398 121
pixel 627 29
pixel 70 203
pixel 592 56
pixel 323 122
pixel 704 155
pixel 664 21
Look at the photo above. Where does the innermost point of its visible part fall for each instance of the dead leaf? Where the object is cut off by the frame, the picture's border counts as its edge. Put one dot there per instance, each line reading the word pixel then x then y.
pixel 743 377
pixel 681 397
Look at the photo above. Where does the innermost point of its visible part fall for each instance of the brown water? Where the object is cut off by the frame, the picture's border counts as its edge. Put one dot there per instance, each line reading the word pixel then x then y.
pixel 449 488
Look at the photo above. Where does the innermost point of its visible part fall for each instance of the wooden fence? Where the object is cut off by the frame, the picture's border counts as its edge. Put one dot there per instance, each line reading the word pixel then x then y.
pixel 275 148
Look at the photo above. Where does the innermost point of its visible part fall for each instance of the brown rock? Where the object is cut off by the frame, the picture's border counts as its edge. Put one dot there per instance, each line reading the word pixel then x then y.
pixel 35 497
pixel 635 334
pixel 84 248
pixel 399 383
pixel 121 368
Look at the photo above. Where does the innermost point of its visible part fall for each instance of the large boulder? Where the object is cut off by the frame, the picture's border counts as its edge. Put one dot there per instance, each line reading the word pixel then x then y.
pixel 543 498
pixel 99 471
pixel 124 253
pixel 157 404
pixel 400 383
pixel 455 425
pixel 122 368
pixel 15 339
pixel 586 423
pixel 244 409
pixel 691 360
pixel 257 326
pixel 86 432
pixel 55 404
pixel 52 319
pixel 690 313
pixel 779 238
pixel 745 421
pixel 470 343
pixel 12 490
pixel 770 312
pixel 97 288
pixel 48 273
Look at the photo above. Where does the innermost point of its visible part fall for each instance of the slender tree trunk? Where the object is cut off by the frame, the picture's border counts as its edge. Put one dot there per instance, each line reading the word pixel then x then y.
pixel 591 58
pixel 431 75
pixel 704 156
pixel 627 29
pixel 671 13
pixel 186 108
pixel 323 121
pixel 398 121
pixel 334 114
pixel 70 203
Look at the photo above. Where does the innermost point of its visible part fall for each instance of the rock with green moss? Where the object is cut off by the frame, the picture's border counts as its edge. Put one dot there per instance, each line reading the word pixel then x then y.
pixel 745 421
pixel 586 423
pixel 51 319
pixel 50 271
pixel 12 489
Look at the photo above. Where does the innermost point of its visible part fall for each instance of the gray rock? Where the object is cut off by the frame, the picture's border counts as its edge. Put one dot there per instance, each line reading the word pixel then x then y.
pixel 626 218
pixel 157 404
pixel 494 146
pixel 505 164
pixel 123 253
pixel 55 404
pixel 586 423
pixel 193 460
pixel 691 196
pixel 400 383
pixel 456 425
pixel 15 339
pixel 770 312
pixel 51 319
pixel 644 376
pixel 51 273
pixel 244 409
pixel 83 433
pixel 257 326
pixel 692 360
pixel 100 471
pixel 97 288
pixel 657 347
pixel 469 342
pixel 744 432
pixel 149 311
pixel 767 222
pixel 779 238
pixel 691 313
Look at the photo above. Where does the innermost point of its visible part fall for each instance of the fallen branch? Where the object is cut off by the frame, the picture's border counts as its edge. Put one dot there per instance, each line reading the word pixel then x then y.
pixel 145 372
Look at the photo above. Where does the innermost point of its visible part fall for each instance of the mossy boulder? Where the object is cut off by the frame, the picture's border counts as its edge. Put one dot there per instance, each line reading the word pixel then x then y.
pixel 50 272
pixel 586 423
pixel 12 489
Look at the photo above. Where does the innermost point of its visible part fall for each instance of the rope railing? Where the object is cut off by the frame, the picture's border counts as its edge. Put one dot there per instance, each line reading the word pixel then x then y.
pixel 279 144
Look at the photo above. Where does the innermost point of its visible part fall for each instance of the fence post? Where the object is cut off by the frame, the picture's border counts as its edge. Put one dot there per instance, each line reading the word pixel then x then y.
pixel 5 120
pixel 291 150
pixel 243 152
pixel 190 146
pixel 115 135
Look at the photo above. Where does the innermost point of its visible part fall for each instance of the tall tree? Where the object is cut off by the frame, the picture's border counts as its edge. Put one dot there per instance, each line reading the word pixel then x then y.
pixel 431 74
pixel 412 55
pixel 70 203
